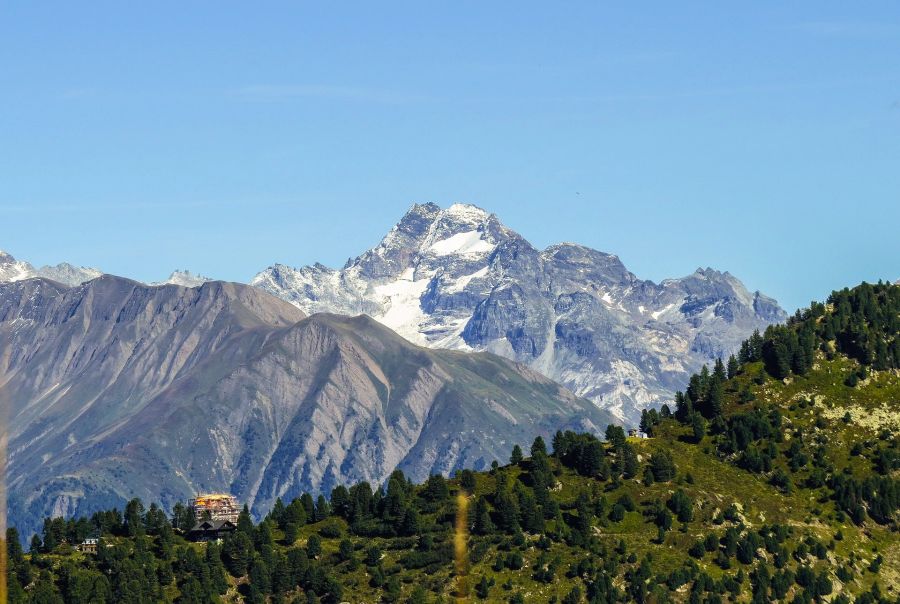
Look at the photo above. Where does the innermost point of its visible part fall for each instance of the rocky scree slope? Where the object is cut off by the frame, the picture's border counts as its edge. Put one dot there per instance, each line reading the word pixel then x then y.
pixel 115 389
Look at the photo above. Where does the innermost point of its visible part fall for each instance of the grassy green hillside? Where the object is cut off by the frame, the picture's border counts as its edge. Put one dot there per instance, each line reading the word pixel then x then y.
pixel 773 477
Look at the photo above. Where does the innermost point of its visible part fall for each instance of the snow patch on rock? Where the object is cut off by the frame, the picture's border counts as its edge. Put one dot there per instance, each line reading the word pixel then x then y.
pixel 400 300
pixel 469 242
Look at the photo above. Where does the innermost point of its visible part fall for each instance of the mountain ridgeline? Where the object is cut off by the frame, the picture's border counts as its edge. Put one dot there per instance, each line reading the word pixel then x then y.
pixel 12 270
pixel 774 478
pixel 16 270
pixel 458 278
pixel 116 389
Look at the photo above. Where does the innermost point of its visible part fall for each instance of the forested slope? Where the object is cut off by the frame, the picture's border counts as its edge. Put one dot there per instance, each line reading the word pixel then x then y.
pixel 773 477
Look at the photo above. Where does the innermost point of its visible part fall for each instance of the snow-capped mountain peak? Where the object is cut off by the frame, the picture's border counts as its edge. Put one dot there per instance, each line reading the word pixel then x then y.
pixel 184 278
pixel 14 270
pixel 65 273
pixel 71 275
pixel 467 211
pixel 458 278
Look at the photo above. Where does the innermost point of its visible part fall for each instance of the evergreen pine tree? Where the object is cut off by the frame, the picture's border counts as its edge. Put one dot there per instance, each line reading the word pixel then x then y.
pixel 698 425
pixel 323 509
pixel 260 575
pixel 629 461
pixel 515 457
pixel 538 447
pixel 277 513
pixel 733 367
pixel 483 524
pixel 308 506
pixel 245 522
pixel 715 395
pixel 134 523
pixel 777 358
pixel 719 374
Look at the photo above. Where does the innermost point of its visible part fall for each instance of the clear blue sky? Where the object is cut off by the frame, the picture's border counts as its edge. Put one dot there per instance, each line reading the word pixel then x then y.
pixel 224 137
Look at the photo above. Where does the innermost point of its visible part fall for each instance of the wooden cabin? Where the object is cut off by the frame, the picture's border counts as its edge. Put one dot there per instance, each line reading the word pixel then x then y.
pixel 89 546
pixel 211 530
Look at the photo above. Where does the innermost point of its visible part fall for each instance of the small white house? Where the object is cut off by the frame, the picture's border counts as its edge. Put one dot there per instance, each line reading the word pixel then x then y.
pixel 89 545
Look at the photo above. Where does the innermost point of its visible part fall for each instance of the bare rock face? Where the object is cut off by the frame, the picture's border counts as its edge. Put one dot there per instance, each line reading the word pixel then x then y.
pixel 457 278
pixel 184 278
pixel 69 274
pixel 115 389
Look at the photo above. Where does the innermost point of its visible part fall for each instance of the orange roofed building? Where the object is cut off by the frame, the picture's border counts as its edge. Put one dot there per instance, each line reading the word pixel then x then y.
pixel 215 506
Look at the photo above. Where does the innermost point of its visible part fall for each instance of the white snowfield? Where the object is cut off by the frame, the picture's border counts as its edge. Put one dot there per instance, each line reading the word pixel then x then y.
pixel 469 242
pixel 657 313
pixel 402 310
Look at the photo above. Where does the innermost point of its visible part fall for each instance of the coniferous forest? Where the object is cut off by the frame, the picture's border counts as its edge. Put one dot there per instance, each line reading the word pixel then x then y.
pixel 772 477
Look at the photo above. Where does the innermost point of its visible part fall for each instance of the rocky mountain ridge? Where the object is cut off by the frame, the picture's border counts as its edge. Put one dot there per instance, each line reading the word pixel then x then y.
pixel 12 270
pixel 68 274
pixel 458 278
pixel 185 278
